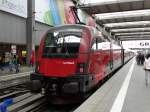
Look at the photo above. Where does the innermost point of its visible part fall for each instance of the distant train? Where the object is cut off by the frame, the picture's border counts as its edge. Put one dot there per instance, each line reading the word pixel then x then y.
pixel 73 59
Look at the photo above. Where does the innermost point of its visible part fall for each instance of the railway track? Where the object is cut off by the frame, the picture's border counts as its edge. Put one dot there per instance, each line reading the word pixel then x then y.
pixel 37 103
pixel 16 87
pixel 29 102
pixel 14 79
pixel 22 99
pixel 14 91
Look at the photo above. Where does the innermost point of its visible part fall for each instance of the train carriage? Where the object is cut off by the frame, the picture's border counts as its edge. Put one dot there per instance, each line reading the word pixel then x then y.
pixel 73 59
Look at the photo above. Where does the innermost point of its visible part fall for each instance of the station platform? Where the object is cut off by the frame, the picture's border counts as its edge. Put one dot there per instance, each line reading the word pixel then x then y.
pixel 125 91
pixel 22 69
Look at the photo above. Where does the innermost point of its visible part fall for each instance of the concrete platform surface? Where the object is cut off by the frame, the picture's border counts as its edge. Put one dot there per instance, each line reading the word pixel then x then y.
pixel 124 92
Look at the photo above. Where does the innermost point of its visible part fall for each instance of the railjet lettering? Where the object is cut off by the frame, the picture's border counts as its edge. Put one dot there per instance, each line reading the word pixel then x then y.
pixel 144 44
pixel 69 63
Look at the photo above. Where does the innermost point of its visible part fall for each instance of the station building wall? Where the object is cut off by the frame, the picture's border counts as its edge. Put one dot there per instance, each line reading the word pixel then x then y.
pixel 13 32
pixel 12 29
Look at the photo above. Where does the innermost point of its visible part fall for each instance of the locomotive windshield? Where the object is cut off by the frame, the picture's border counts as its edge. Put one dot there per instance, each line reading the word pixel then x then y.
pixel 62 44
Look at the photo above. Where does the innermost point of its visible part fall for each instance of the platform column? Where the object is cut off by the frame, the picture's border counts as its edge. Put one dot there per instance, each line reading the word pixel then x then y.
pixel 122 52
pixel 30 26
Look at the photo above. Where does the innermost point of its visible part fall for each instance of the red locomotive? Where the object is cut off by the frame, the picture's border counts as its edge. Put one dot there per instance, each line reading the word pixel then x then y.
pixel 73 59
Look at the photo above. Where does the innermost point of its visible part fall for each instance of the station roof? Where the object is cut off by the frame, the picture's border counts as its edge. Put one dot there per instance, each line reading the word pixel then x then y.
pixel 107 6
pixel 125 18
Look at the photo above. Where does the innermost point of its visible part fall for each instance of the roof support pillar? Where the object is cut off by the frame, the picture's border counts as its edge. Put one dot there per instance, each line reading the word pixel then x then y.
pixel 30 24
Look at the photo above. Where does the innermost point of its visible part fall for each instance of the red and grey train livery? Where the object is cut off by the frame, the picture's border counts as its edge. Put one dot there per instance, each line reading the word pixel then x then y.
pixel 73 59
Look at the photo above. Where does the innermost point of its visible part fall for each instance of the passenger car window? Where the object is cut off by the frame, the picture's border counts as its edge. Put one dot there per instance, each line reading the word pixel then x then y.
pixel 94 44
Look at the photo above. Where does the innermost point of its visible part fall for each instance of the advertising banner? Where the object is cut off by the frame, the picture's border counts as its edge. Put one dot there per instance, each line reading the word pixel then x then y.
pixel 41 8
pixel 17 7
pixel 54 12
pixel 51 12
pixel 136 44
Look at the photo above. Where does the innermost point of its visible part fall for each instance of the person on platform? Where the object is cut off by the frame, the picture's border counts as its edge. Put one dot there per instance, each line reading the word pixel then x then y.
pixel 138 58
pixel 10 62
pixel 142 59
pixel 32 60
pixel 1 62
pixel 147 68
pixel 16 64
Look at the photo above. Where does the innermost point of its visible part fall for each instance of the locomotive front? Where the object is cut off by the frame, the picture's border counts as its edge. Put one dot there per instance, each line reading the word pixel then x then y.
pixel 62 62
